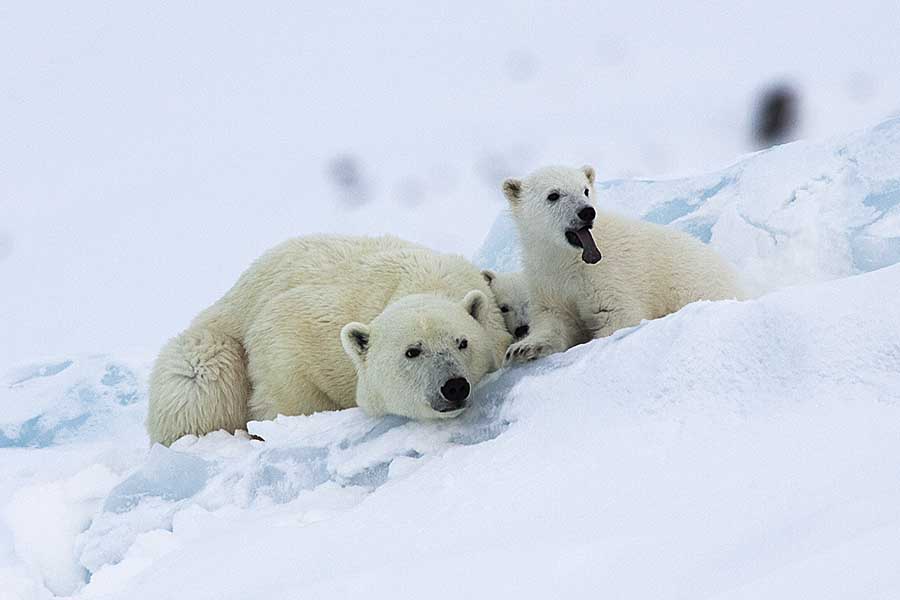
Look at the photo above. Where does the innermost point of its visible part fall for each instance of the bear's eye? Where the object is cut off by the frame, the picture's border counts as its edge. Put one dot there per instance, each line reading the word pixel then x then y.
pixel 553 197
pixel 463 344
pixel 413 352
pixel 504 308
pixel 587 193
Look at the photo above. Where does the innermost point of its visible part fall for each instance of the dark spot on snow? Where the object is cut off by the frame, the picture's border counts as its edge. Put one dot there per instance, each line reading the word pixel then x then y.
pixel 346 174
pixel 776 116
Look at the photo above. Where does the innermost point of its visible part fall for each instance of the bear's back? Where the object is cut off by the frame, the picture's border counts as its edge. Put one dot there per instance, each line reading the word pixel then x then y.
pixel 308 260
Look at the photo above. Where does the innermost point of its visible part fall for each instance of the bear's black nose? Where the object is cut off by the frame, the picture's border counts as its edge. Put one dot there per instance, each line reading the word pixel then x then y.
pixel 587 214
pixel 455 390
pixel 521 331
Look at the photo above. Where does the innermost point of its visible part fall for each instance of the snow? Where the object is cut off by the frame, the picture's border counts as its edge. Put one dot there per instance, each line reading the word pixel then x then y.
pixel 606 468
pixel 732 450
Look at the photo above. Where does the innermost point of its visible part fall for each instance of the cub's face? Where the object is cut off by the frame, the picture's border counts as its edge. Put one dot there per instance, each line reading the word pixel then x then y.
pixel 421 357
pixel 511 293
pixel 554 205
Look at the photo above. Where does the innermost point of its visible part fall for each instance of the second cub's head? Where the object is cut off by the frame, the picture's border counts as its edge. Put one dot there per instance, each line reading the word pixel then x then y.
pixel 555 205
pixel 511 292
pixel 422 356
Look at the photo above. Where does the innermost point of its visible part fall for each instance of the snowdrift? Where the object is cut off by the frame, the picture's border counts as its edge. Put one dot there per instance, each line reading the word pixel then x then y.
pixel 731 450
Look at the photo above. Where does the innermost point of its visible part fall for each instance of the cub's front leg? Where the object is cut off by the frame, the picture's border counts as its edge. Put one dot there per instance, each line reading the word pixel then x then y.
pixel 551 332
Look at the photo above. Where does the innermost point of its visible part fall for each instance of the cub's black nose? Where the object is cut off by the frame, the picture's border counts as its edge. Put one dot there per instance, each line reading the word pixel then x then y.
pixel 521 331
pixel 455 390
pixel 587 214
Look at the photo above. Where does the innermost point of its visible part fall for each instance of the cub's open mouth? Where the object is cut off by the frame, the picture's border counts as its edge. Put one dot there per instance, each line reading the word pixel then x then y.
pixel 582 238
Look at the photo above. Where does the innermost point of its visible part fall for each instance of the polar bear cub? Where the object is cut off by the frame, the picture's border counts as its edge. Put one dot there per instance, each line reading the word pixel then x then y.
pixel 581 289
pixel 324 323
pixel 511 293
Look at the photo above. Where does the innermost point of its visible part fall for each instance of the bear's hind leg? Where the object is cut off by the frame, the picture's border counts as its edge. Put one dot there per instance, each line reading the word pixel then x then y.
pixel 199 384
pixel 267 401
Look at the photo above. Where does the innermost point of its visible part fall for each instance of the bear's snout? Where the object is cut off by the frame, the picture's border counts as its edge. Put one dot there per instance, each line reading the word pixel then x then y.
pixel 521 331
pixel 455 391
pixel 587 214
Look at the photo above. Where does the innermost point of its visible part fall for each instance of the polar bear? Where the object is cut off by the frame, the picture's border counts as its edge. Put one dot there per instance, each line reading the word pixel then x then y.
pixel 324 323
pixel 511 293
pixel 577 294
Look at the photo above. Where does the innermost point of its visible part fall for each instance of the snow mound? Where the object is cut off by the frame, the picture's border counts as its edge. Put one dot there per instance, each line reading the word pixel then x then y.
pixel 798 213
pixel 59 401
pixel 314 461
pixel 730 443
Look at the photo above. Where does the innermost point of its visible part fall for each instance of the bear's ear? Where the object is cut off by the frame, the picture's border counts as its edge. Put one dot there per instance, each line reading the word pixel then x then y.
pixel 355 340
pixel 489 276
pixel 474 303
pixel 589 173
pixel 512 189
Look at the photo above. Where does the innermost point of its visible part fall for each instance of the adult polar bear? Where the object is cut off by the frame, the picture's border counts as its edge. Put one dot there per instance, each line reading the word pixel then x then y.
pixel 289 338
pixel 576 294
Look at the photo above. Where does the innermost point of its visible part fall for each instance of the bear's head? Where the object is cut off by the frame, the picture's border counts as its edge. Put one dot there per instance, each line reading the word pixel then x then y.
pixel 554 205
pixel 421 357
pixel 511 292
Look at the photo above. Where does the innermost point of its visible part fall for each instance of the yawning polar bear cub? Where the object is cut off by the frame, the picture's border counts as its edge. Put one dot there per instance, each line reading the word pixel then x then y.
pixel 581 289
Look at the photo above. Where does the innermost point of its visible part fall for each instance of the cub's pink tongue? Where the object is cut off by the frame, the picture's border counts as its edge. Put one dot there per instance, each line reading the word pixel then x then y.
pixel 589 251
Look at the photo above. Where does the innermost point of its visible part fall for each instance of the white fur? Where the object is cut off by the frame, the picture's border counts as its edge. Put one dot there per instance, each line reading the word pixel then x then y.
pixel 647 271
pixel 276 343
pixel 511 293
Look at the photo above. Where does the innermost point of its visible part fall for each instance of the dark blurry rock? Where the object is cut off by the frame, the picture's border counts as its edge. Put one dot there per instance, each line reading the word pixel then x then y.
pixel 776 116
pixel 345 172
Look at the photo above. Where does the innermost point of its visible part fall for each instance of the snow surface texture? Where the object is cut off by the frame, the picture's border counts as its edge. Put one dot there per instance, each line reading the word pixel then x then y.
pixel 732 450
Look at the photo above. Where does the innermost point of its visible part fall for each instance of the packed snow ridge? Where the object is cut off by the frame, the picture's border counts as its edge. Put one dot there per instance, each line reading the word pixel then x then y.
pixel 731 450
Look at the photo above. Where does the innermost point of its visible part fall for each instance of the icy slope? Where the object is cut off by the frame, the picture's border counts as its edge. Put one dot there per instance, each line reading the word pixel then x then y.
pixel 730 450
pixel 803 212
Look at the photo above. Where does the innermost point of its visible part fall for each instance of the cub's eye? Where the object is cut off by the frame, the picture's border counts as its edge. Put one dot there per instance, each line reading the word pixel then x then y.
pixel 463 344
pixel 553 197
pixel 413 352
pixel 504 308
pixel 587 192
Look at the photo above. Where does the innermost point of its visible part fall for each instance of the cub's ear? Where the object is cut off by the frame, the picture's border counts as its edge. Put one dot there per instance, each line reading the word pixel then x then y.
pixel 355 340
pixel 512 189
pixel 589 173
pixel 488 276
pixel 474 303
